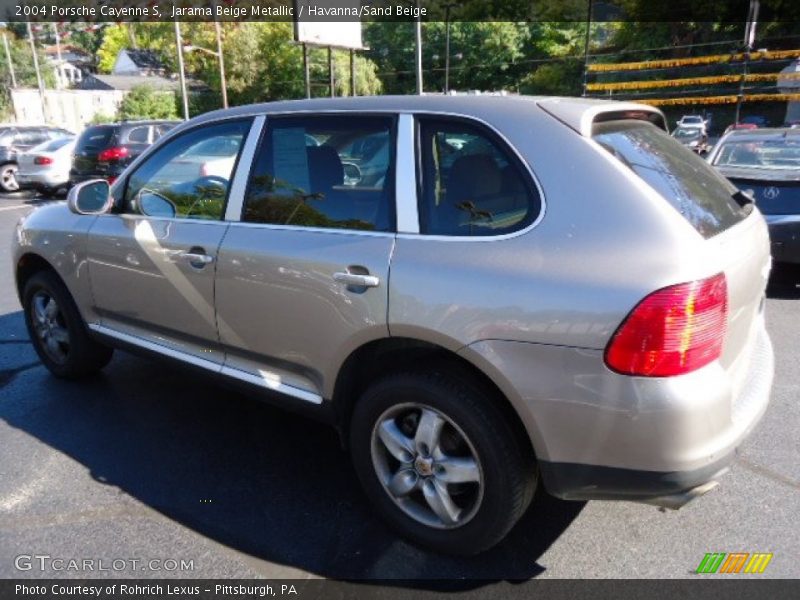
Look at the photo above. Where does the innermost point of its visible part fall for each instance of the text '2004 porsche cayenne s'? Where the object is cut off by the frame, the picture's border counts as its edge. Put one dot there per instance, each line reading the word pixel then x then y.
pixel 482 294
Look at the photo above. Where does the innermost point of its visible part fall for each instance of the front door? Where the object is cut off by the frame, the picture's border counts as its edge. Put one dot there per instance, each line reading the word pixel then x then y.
pixel 152 266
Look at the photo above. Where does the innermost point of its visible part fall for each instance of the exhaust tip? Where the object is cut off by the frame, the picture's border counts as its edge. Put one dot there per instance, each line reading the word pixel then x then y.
pixel 676 501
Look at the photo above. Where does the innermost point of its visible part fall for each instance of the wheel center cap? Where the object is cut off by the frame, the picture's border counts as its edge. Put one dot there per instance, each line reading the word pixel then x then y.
pixel 424 466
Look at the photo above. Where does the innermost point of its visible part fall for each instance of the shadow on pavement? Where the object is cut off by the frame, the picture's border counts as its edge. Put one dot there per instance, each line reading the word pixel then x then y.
pixel 784 282
pixel 257 479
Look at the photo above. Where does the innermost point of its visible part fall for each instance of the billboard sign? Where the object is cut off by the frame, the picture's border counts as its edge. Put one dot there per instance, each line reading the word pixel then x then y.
pixel 328 23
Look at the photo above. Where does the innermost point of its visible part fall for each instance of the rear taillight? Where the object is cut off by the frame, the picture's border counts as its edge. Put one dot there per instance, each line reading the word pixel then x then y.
pixel 114 153
pixel 675 330
pixel 42 160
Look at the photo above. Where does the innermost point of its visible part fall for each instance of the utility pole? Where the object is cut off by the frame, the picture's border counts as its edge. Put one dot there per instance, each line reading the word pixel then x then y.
pixel 352 72
pixel 331 76
pixel 749 41
pixel 10 62
pixel 38 73
pixel 418 49
pixel 447 8
pixel 223 82
pixel 306 70
pixel 586 48
pixel 181 73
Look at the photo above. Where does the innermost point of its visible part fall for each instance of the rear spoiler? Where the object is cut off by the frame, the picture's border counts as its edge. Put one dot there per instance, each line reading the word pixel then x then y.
pixel 581 114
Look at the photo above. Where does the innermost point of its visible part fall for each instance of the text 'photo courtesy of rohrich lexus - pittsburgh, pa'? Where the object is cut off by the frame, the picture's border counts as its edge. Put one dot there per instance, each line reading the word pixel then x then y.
pixel 477 316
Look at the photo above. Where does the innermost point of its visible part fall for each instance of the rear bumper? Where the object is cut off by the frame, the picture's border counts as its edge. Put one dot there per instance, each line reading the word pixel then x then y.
pixel 48 180
pixel 784 235
pixel 600 435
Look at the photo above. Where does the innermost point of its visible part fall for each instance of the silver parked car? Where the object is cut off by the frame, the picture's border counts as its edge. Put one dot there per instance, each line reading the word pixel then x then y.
pixel 45 167
pixel 527 291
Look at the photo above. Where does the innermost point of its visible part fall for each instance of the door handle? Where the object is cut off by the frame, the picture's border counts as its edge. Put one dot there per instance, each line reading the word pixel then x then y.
pixel 357 280
pixel 196 259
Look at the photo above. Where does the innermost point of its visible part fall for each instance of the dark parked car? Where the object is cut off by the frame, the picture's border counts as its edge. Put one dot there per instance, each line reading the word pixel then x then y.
pixel 105 150
pixel 17 139
pixel 765 165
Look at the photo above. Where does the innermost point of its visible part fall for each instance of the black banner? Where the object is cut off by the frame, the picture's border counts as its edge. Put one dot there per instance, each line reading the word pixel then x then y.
pixel 730 588
pixel 391 10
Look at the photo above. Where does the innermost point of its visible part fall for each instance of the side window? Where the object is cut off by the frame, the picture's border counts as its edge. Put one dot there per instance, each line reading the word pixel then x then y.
pixel 331 172
pixel 189 176
pixel 139 135
pixel 471 183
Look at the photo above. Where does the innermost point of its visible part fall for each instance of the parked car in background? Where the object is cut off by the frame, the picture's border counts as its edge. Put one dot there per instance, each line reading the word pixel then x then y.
pixel 694 121
pixel 45 168
pixel 692 137
pixel 757 120
pixel 467 320
pixel 15 139
pixel 765 165
pixel 738 126
pixel 105 150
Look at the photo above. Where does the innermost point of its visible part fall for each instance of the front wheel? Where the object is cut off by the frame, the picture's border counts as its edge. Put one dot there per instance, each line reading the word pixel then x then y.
pixel 440 461
pixel 57 330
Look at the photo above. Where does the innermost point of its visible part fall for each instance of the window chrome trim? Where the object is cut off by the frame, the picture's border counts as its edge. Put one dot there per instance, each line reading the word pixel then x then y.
pixel 335 230
pixel 207 364
pixel 405 179
pixel 233 210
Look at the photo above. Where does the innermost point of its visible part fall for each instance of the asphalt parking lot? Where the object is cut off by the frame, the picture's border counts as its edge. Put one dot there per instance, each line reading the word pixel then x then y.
pixel 147 463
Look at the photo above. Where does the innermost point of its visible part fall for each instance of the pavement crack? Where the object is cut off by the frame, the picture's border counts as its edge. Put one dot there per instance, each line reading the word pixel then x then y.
pixel 768 473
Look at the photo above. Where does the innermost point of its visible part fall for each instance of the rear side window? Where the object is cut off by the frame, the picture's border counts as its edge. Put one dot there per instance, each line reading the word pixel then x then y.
pixel 703 196
pixel 329 172
pixel 471 184
pixel 139 135
pixel 95 139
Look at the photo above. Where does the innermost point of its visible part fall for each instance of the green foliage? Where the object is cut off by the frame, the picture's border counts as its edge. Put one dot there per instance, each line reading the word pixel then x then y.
pixel 101 118
pixel 143 102
pixel 115 38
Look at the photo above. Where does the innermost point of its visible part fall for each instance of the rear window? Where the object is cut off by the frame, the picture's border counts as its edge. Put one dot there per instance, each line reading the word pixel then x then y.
pixel 95 138
pixel 780 154
pixel 704 197
pixel 56 144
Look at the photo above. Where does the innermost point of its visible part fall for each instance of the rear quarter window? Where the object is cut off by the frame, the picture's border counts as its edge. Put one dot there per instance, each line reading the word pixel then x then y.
pixel 703 196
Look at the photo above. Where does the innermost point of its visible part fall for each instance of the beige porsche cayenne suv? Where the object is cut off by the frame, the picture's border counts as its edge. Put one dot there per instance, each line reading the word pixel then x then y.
pixel 482 294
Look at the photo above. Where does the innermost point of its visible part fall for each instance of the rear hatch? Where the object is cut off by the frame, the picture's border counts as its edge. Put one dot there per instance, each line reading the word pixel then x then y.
pixel 91 143
pixel 734 236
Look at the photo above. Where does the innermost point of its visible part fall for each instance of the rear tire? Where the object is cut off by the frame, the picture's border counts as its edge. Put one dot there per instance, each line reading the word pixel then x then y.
pixel 459 491
pixel 57 330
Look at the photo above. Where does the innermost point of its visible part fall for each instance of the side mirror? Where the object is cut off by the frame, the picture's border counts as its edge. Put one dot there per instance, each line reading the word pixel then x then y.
pixel 90 198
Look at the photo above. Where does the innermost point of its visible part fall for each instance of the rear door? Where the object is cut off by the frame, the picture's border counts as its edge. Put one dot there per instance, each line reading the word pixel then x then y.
pixel 302 278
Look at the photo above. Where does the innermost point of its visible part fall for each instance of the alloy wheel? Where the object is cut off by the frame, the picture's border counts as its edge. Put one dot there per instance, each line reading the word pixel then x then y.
pixel 8 177
pixel 427 465
pixel 48 323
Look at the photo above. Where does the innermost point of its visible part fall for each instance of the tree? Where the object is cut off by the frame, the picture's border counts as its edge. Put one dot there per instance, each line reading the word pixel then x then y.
pixel 115 38
pixel 143 102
